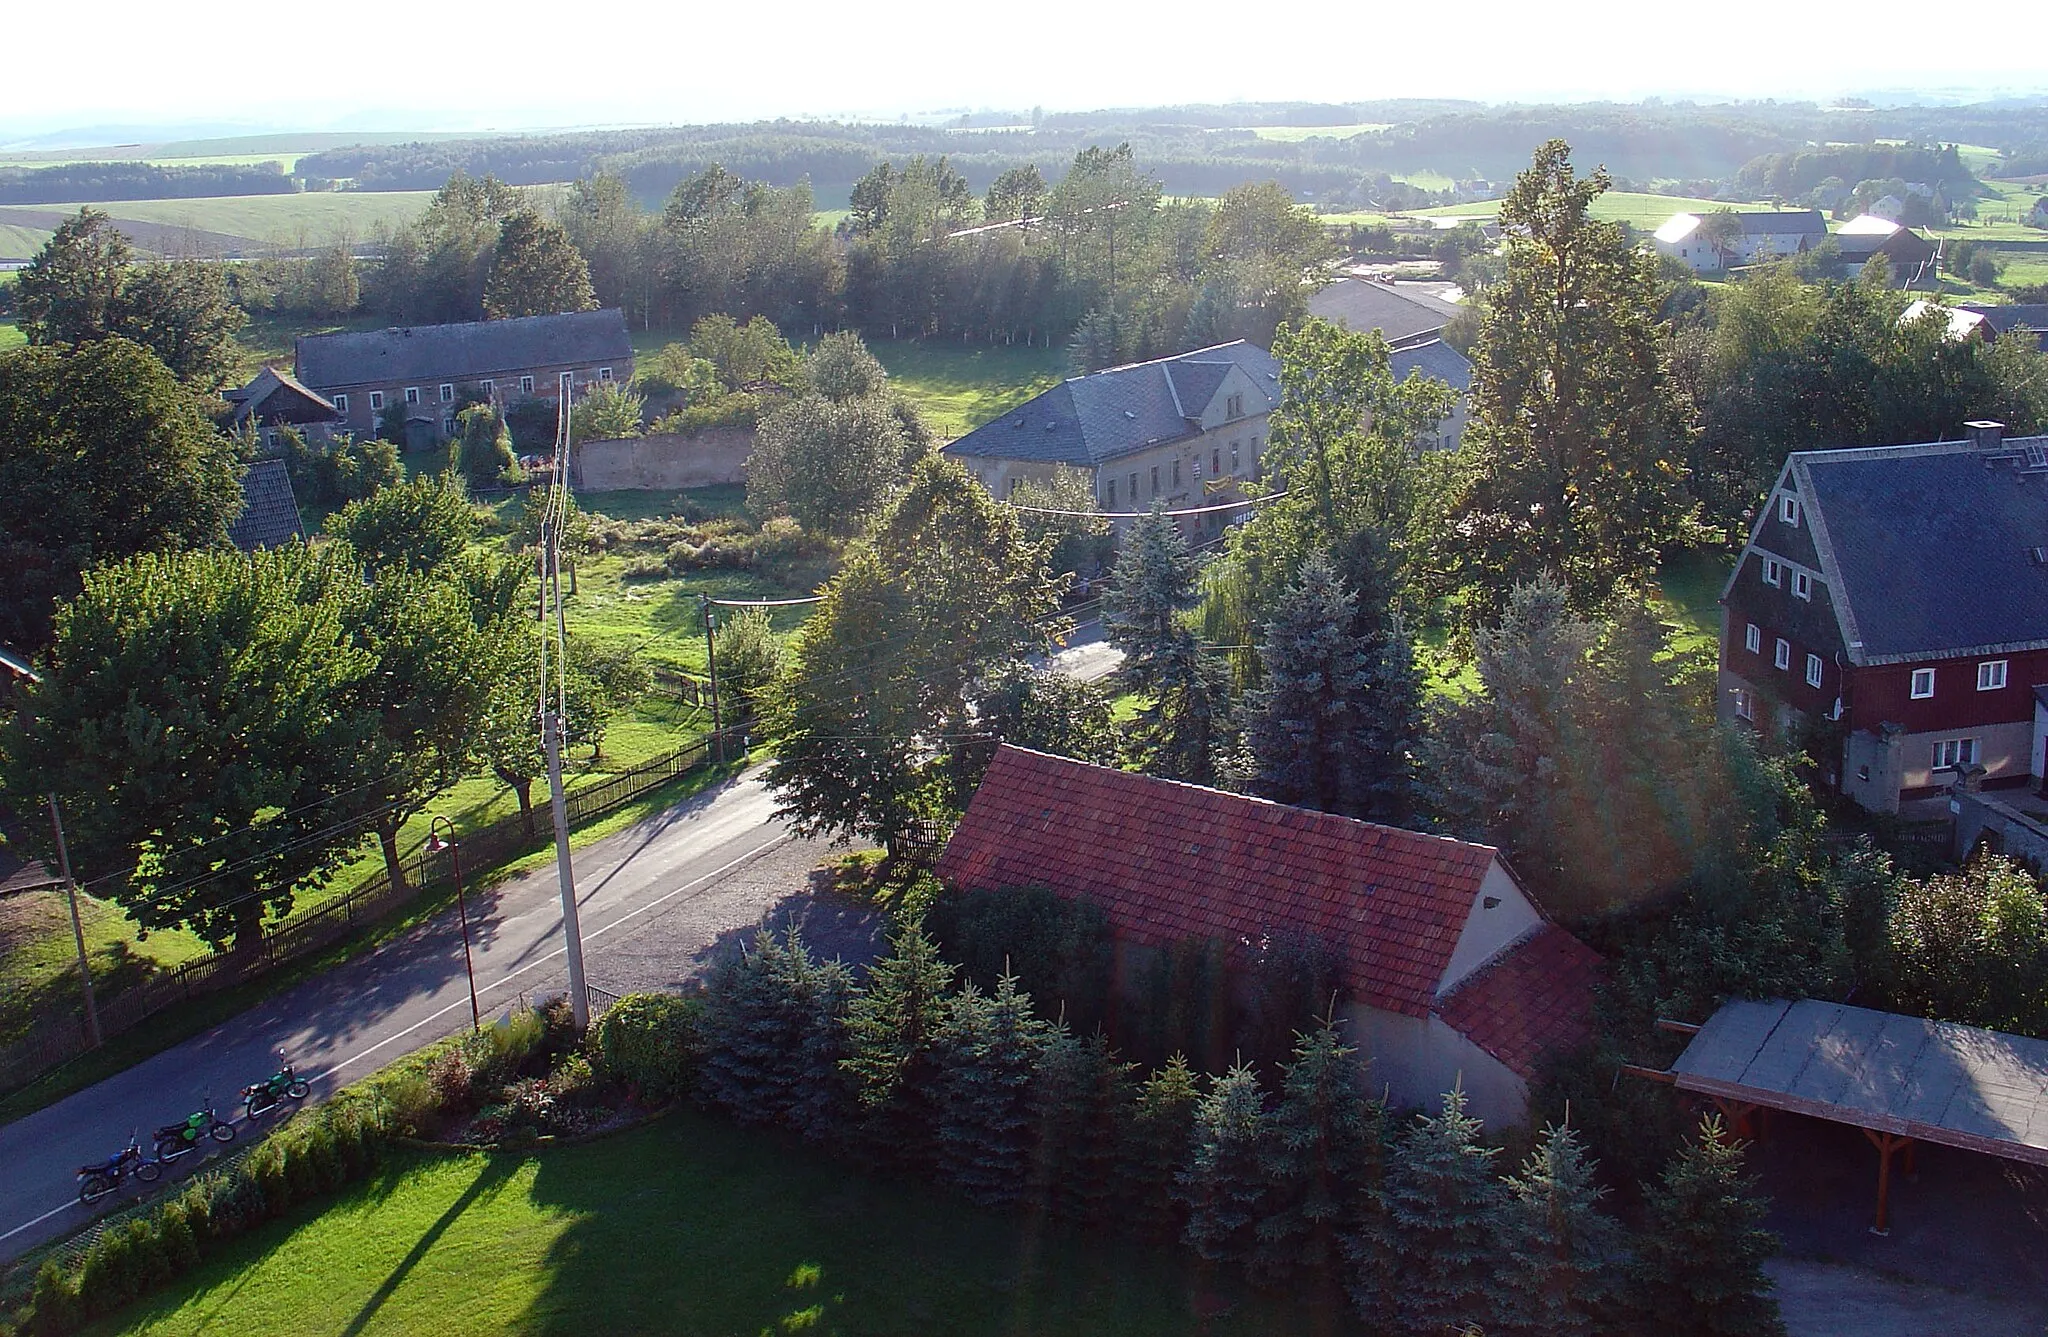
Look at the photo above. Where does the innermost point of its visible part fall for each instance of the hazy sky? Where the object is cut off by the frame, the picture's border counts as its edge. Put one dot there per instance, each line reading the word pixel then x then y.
pixel 460 64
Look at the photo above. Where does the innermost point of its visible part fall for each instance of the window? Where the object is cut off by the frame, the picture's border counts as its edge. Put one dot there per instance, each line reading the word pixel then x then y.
pixel 1955 753
pixel 1134 489
pixel 1110 500
pixel 1813 670
pixel 1176 471
pixel 1802 585
pixel 341 403
pixel 1013 487
pixel 1233 457
pixel 1745 704
pixel 376 401
pixel 1753 639
pixel 488 387
pixel 1991 675
pixel 1788 510
pixel 1782 656
pixel 1155 480
pixel 526 385
pixel 447 393
pixel 1233 406
pixel 1215 463
pixel 412 394
pixel 1923 684
pixel 1774 571
pixel 604 373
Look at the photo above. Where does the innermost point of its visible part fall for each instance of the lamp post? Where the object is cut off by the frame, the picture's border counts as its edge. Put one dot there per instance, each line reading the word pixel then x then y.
pixel 434 846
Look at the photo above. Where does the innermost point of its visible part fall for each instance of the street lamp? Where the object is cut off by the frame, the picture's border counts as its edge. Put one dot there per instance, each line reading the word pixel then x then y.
pixel 434 846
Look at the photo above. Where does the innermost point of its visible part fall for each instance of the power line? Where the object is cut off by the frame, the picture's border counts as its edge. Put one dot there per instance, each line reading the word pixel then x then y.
pixel 1139 515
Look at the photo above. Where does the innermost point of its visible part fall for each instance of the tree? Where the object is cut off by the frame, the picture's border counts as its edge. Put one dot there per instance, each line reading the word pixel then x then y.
pixel 1699 1266
pixel 1577 441
pixel 1322 1164
pixel 1081 543
pixel 750 658
pixel 200 719
pixel 1048 711
pixel 1565 1250
pixel 1155 582
pixel 1442 1229
pixel 1304 725
pixel 609 412
pixel 1224 1185
pixel 1972 947
pixel 69 293
pixel 986 1054
pixel 1154 1146
pixel 1018 193
pixel 830 464
pixel 599 680
pixel 180 310
pixel 749 354
pixel 841 368
pixel 103 454
pixel 892 1027
pixel 773 1030
pixel 423 525
pixel 536 270
pixel 1721 230
pixel 483 448
pixel 1082 1103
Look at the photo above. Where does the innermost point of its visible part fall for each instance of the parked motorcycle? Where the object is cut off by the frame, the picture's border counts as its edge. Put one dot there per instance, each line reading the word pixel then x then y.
pixel 261 1098
pixel 97 1181
pixel 175 1139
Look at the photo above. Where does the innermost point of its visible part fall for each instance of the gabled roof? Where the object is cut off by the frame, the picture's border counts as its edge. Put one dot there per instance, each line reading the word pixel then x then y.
pixel 279 393
pixel 270 513
pixel 1170 860
pixel 1928 549
pixel 426 353
pixel 2006 318
pixel 1401 312
pixel 1867 225
pixel 1754 223
pixel 1085 420
pixel 1435 359
pixel 1529 1001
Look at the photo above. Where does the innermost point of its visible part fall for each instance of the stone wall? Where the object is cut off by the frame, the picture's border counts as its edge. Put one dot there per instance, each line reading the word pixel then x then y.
pixel 663 461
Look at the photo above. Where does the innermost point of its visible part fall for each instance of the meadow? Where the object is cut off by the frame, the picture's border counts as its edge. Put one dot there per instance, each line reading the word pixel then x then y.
pixel 1296 134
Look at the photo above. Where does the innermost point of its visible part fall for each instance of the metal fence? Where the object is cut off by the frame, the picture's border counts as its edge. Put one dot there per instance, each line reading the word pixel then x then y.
pixel 62 1039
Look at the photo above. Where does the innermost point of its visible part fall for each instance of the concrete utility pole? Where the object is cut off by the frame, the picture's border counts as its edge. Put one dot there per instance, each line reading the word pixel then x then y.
pixel 551 721
pixel 711 671
pixel 92 1011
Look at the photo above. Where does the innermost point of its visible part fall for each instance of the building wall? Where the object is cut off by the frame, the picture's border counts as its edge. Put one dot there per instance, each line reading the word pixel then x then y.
pixel 1414 1060
pixel 1491 928
pixel 664 460
pixel 361 419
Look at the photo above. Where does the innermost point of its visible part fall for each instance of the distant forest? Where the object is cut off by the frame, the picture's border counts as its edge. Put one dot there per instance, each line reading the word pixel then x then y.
pixel 100 181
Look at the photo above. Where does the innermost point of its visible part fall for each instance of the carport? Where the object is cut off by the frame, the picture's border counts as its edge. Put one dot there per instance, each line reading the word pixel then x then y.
pixel 1902 1080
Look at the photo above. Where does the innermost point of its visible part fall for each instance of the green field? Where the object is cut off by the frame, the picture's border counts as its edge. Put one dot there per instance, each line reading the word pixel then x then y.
pixel 831 218
pixel 959 387
pixel 11 336
pixel 290 161
pixel 1295 134
pixel 1646 212
pixel 687 1226
pixel 278 217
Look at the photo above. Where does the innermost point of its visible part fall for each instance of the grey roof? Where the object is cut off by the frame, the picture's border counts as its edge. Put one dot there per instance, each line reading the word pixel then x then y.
pixel 2004 319
pixel 426 353
pixel 1928 549
pixel 270 513
pixel 1399 312
pixel 1435 359
pixel 1782 222
pixel 280 393
pixel 1088 419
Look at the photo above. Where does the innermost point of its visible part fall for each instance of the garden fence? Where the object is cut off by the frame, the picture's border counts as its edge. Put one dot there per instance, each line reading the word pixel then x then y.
pixel 62 1039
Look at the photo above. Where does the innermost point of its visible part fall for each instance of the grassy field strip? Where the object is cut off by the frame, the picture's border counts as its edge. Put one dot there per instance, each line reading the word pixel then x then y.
pixel 1295 134
pixel 11 336
pixel 958 388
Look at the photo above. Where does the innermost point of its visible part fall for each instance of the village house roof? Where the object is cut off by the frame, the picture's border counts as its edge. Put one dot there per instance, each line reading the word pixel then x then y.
pixel 1753 222
pixel 1435 359
pixel 277 396
pixel 1930 551
pixel 1168 861
pixel 270 512
pixel 478 348
pixel 2004 319
pixel 1085 420
pixel 1400 312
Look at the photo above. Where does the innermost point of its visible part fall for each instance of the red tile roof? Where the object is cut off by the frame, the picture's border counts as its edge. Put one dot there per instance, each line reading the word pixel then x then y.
pixel 1170 860
pixel 1535 998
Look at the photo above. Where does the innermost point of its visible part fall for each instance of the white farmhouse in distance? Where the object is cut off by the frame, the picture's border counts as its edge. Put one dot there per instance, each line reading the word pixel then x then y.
pixel 1767 234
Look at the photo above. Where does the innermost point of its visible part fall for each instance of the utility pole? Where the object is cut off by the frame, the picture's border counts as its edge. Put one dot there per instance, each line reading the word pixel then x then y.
pixel 92 1011
pixel 551 720
pixel 711 668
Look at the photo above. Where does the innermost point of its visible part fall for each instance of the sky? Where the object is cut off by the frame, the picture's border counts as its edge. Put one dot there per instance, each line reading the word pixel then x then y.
pixel 464 64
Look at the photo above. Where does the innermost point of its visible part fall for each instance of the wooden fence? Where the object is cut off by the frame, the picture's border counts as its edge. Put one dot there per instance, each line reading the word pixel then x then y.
pixel 62 1039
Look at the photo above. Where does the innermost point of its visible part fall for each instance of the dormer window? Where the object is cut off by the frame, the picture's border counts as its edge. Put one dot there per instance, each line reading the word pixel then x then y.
pixel 1788 510
pixel 1923 684
pixel 1774 571
pixel 1233 406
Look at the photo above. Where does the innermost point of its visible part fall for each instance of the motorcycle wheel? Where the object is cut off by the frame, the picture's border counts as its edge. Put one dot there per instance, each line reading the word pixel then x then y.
pixel 297 1088
pixel 94 1188
pixel 149 1172
pixel 170 1148
pixel 222 1131
pixel 253 1111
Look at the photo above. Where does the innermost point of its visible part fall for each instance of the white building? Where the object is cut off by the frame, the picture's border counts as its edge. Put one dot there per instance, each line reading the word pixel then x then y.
pixel 1766 234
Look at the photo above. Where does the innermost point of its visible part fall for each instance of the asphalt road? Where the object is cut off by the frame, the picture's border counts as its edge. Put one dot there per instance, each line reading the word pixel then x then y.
pixel 654 901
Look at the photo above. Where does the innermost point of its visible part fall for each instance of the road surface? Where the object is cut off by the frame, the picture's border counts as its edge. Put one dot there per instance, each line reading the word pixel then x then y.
pixel 1086 655
pixel 652 900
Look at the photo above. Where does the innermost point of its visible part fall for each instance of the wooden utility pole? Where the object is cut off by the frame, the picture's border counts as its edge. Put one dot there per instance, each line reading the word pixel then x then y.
pixel 92 1011
pixel 711 668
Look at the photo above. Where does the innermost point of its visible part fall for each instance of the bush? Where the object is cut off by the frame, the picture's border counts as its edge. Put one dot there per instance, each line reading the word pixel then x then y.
pixel 1058 948
pixel 573 1082
pixel 54 1304
pixel 741 409
pixel 649 1043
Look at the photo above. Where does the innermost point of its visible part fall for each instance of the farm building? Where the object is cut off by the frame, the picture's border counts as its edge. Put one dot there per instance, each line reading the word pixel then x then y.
pixel 1759 234
pixel 270 511
pixel 1401 312
pixel 1864 238
pixel 275 400
pixel 1453 973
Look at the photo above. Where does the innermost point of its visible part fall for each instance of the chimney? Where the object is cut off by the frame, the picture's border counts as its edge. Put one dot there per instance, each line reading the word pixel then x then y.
pixel 1985 434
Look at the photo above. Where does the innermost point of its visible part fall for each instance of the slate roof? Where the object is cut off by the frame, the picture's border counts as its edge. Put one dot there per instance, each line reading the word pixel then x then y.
pixel 279 392
pixel 1755 223
pixel 2005 319
pixel 1435 359
pixel 1534 999
pixel 1927 549
pixel 1085 420
pixel 431 353
pixel 270 513
pixel 1170 860
pixel 1398 311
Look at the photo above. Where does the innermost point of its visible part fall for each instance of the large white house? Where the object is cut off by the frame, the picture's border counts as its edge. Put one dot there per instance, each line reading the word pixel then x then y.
pixel 1765 234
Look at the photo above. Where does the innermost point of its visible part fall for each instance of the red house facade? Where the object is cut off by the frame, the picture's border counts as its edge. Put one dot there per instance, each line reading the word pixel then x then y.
pixel 1902 593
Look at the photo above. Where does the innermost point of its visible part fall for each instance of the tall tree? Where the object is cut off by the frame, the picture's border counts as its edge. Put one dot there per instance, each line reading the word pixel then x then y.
pixel 181 311
pixel 1155 583
pixel 1304 725
pixel 536 270
pixel 774 1031
pixel 69 293
pixel 987 1053
pixel 831 456
pixel 422 525
pixel 1323 1159
pixel 1082 1102
pixel 1225 1185
pixel 200 718
pixel 1566 1251
pixel 1155 1144
pixel 892 1028
pixel 1699 1267
pixel 1443 1227
pixel 1578 438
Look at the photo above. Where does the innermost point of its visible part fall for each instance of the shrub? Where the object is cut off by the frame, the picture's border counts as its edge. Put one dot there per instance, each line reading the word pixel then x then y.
pixel 1058 948
pixel 772 1035
pixel 180 1244
pixel 449 1076
pixel 649 1043
pixel 54 1304
pixel 573 1082
pixel 529 1110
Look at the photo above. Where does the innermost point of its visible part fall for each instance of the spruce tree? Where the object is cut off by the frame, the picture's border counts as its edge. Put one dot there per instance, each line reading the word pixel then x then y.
pixel 1082 1104
pixel 1154 1144
pixel 1154 582
pixel 1184 733
pixel 772 1031
pixel 1440 1236
pixel 1699 1267
pixel 890 1027
pixel 1304 723
pixel 1322 1159
pixel 986 1053
pixel 1561 1276
pixel 1390 728
pixel 1224 1183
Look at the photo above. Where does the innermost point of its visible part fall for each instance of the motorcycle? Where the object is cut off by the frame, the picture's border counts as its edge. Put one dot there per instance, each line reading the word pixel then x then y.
pixel 175 1139
pixel 97 1181
pixel 259 1098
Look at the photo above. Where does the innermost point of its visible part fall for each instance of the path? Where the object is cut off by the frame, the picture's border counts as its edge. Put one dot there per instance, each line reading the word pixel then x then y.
pixel 652 899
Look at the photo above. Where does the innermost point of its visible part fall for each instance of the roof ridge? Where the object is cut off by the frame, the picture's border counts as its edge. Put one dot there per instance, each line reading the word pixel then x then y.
pixel 1155 361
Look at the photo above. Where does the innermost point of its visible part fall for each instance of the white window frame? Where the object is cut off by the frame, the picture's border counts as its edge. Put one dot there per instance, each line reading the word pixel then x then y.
pixel 604 373
pixel 376 401
pixel 341 404
pixel 1781 657
pixel 1923 684
pixel 1991 675
pixel 1753 639
pixel 1813 670
pixel 1773 572
pixel 1745 705
pixel 447 392
pixel 1788 509
pixel 412 394
pixel 1952 754
pixel 1802 586
pixel 1109 500
pixel 526 385
pixel 488 387
pixel 1233 406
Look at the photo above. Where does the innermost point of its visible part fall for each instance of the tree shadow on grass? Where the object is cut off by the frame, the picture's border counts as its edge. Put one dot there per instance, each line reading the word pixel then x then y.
pixel 490 1176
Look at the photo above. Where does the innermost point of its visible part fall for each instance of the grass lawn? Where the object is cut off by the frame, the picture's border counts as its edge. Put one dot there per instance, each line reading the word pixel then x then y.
pixel 689 1225
pixel 1646 212
pixel 958 387
pixel 11 336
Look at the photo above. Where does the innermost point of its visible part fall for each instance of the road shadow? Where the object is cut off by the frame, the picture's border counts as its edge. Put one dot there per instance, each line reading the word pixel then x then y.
pixel 832 925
